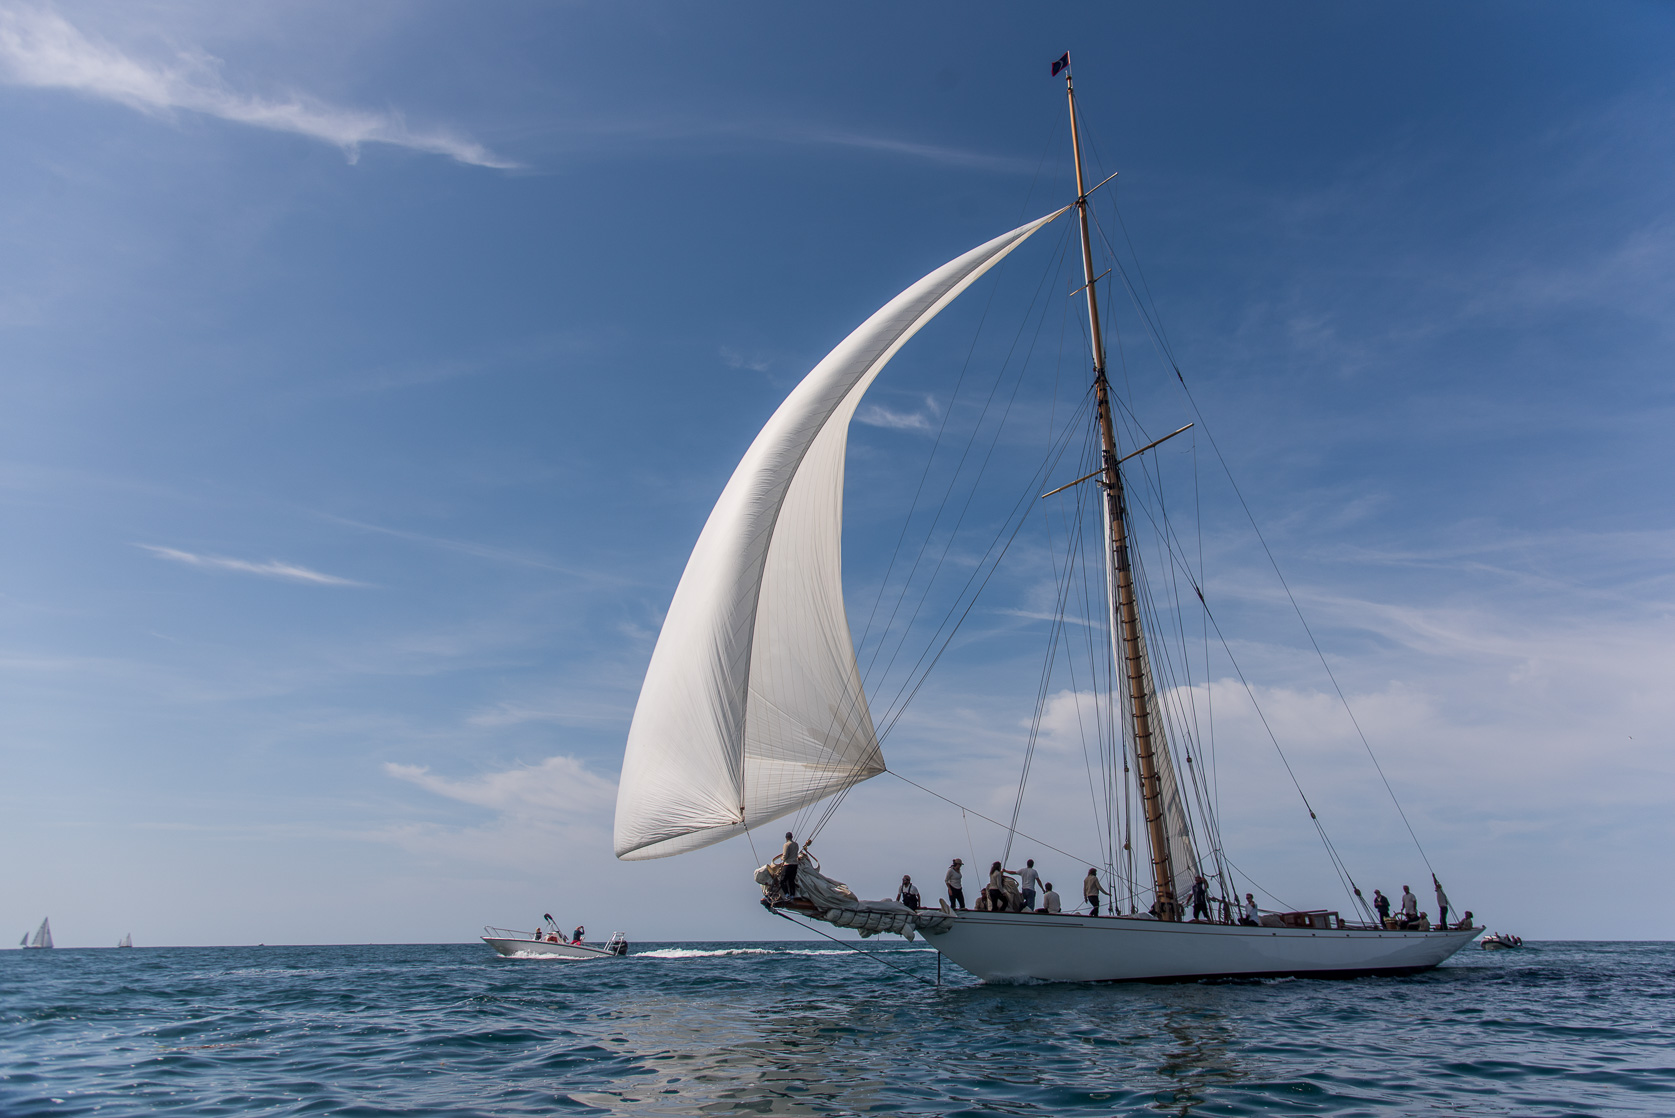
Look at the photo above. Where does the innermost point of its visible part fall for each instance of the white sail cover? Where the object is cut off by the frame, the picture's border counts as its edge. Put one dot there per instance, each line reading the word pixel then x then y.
pixel 752 705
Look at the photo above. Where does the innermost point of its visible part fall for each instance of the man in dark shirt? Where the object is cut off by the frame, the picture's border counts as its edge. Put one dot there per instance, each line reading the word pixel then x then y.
pixel 1200 898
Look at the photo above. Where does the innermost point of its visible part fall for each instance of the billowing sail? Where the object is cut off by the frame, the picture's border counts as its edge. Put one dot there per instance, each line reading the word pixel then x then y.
pixel 752 704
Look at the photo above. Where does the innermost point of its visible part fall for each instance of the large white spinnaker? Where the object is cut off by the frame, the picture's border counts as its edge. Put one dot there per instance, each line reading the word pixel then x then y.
pixel 752 704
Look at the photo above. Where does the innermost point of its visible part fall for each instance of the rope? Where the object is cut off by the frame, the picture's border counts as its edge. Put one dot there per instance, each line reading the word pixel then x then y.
pixel 873 955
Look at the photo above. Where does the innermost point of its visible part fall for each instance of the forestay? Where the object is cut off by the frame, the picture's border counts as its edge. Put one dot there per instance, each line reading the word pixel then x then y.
pixel 752 705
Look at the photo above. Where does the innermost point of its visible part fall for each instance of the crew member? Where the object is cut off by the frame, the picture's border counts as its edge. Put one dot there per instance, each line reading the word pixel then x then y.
pixel 956 885
pixel 908 894
pixel 789 859
pixel 1091 889
pixel 1200 898
pixel 1028 879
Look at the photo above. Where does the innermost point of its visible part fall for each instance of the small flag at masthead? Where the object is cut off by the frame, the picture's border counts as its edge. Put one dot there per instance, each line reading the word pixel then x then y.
pixel 1062 64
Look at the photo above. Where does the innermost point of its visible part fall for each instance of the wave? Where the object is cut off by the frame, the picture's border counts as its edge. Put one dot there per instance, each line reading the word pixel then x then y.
pixel 700 953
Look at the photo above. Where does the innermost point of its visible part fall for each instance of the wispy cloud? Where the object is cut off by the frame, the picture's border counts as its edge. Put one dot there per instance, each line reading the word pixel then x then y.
pixel 558 784
pixel 273 568
pixel 734 359
pixel 877 415
pixel 40 48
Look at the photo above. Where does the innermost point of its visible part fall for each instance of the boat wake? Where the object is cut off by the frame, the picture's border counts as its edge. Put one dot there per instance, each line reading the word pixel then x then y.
pixel 701 953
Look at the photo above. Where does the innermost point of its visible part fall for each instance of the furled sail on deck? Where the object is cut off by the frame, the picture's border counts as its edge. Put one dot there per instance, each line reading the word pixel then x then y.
pixel 752 705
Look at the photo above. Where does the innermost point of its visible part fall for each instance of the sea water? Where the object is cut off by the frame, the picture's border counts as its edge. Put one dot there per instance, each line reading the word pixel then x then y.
pixel 817 1029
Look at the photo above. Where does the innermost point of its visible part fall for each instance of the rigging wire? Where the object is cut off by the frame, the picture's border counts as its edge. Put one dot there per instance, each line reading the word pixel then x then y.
pixel 875 956
pixel 1160 340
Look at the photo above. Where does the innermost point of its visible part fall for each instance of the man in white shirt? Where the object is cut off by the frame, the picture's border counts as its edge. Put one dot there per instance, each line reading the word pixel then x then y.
pixel 1050 903
pixel 1028 880
pixel 1410 906
pixel 789 858
pixel 1253 914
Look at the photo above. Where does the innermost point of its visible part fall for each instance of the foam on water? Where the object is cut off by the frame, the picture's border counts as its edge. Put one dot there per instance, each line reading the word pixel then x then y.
pixel 722 952
pixel 734 1028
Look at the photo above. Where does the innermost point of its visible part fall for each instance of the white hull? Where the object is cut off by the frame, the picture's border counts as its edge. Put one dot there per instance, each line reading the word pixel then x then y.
pixel 999 947
pixel 537 949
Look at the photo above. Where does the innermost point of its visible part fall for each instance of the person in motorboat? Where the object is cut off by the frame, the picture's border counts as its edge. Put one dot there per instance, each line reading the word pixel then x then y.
pixel 579 933
pixel 1029 880
pixel 1050 904
pixel 1252 915
pixel 1091 889
pixel 908 894
pixel 956 885
pixel 1200 898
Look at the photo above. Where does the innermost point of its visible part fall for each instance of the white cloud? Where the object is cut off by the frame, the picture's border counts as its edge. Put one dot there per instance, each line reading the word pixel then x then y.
pixel 877 415
pixel 273 568
pixel 756 363
pixel 558 785
pixel 42 49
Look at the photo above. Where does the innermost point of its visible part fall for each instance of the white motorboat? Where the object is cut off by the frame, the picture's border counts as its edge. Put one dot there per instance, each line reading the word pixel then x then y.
pixel 548 945
pixel 754 706
pixel 1500 941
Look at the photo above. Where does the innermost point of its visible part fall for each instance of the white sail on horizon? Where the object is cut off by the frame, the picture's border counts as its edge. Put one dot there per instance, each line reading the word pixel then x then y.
pixel 752 705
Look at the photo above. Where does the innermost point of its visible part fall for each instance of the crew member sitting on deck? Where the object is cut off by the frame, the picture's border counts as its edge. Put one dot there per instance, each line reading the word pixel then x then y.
pixel 1252 915
pixel 908 894
pixel 1050 904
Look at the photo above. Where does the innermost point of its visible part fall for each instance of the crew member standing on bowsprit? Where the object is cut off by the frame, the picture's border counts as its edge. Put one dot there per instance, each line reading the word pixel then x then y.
pixel 789 859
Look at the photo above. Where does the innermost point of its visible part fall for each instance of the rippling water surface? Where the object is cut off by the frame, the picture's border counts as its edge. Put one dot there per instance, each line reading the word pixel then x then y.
pixel 1553 1029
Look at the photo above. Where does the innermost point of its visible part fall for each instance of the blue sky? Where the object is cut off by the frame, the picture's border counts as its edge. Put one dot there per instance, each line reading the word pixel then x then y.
pixel 367 372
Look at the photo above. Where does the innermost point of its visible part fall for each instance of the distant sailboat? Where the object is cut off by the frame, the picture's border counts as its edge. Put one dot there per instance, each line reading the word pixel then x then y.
pixel 43 936
pixel 753 705
pixel 127 940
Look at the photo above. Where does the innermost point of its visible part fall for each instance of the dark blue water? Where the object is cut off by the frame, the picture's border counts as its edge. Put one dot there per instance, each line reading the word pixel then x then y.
pixel 793 1029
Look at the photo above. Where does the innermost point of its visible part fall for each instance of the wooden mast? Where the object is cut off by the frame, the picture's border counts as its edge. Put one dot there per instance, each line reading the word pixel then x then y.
pixel 1125 614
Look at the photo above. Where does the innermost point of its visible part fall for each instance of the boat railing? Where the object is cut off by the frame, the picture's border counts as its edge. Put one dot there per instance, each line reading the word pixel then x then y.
pixel 510 933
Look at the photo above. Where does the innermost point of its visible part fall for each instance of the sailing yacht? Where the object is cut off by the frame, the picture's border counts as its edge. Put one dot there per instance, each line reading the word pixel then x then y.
pixel 43 936
pixel 126 941
pixel 753 705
